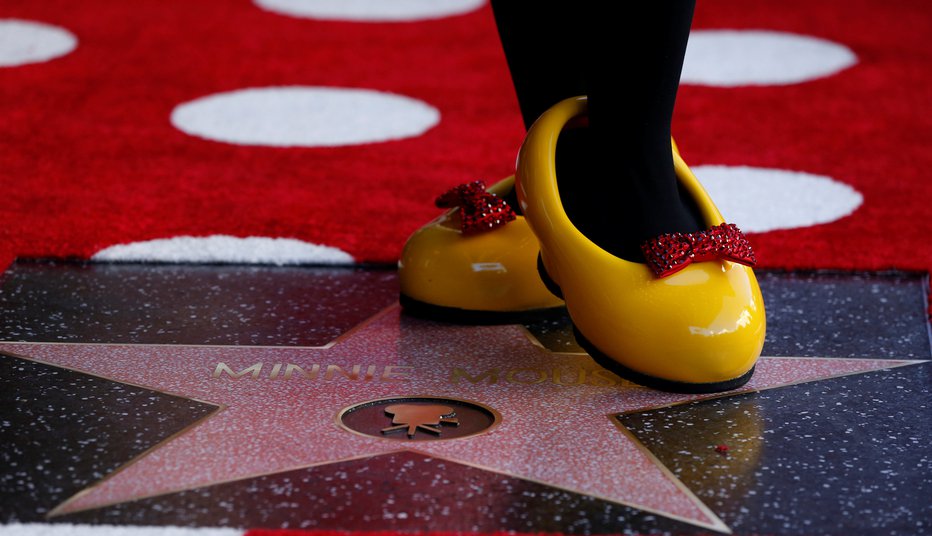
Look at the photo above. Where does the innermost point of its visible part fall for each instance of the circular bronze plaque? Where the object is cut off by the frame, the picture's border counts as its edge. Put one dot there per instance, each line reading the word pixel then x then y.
pixel 419 418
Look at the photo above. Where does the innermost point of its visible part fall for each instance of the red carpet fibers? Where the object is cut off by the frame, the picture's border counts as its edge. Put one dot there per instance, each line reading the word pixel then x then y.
pixel 866 126
pixel 89 158
pixel 286 532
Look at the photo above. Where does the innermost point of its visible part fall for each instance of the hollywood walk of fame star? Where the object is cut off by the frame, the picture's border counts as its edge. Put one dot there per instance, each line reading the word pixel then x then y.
pixel 279 407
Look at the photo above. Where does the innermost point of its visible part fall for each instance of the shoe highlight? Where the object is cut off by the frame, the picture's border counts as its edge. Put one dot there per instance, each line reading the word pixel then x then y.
pixel 476 263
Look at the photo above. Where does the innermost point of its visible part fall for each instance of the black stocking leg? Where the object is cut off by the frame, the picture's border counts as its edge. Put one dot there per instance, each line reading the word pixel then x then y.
pixel 544 52
pixel 634 73
pixel 616 177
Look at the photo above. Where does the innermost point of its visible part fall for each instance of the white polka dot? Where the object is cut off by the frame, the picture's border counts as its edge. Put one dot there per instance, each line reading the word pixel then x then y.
pixel 225 249
pixel 67 529
pixel 298 116
pixel 370 10
pixel 731 58
pixel 759 199
pixel 23 42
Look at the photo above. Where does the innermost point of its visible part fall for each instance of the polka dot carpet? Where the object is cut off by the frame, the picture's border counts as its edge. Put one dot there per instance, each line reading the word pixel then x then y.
pixel 302 132
pixel 318 131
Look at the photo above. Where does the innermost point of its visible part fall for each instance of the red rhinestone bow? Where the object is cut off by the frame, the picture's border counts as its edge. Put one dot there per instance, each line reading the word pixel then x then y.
pixel 669 253
pixel 480 210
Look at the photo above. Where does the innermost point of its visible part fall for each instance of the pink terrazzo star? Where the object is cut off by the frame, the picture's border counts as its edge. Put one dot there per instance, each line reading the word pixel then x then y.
pixel 279 412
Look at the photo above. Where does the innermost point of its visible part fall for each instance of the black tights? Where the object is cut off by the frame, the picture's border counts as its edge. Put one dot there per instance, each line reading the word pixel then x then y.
pixel 616 177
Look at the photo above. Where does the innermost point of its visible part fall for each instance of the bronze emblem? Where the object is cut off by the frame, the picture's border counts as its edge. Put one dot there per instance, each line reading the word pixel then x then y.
pixel 414 417
pixel 422 418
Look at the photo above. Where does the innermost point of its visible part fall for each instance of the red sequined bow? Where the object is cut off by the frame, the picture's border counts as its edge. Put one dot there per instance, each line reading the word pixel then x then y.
pixel 671 252
pixel 480 210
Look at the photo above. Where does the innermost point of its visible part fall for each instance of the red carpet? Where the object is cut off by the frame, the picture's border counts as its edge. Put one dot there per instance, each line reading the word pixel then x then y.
pixel 90 157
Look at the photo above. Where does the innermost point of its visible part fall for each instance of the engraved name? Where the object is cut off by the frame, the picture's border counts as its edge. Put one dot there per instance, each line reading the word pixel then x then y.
pixel 532 376
pixel 393 373
pixel 287 371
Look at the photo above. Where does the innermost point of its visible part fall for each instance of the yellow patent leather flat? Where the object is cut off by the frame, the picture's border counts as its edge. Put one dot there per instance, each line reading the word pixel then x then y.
pixel 699 327
pixel 478 275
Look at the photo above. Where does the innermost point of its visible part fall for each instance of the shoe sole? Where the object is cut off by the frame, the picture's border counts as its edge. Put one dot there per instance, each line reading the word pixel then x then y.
pixel 551 285
pixel 454 315
pixel 639 378
pixel 658 383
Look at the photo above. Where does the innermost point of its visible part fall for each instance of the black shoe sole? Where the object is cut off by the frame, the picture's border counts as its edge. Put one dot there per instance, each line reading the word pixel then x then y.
pixel 454 315
pixel 658 383
pixel 632 375
pixel 545 278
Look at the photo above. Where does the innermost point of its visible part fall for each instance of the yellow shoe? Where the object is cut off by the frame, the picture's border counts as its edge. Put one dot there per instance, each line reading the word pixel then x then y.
pixel 700 329
pixel 474 274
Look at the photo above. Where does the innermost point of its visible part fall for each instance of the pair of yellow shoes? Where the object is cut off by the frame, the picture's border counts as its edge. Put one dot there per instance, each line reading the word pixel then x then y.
pixel 690 320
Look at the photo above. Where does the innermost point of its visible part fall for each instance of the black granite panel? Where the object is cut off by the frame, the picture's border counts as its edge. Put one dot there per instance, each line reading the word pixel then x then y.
pixel 185 304
pixel 846 314
pixel 62 430
pixel 845 456
pixel 809 314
